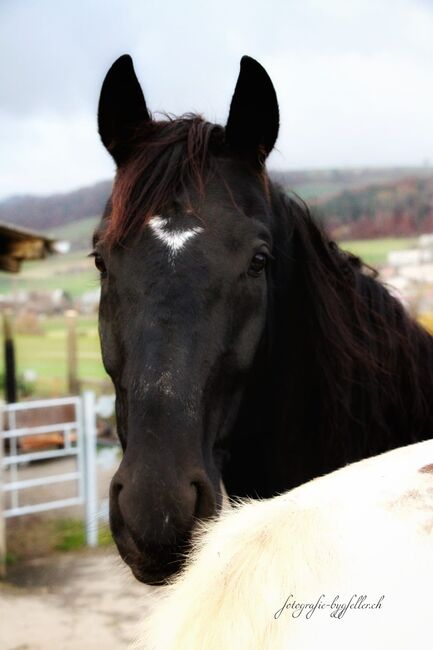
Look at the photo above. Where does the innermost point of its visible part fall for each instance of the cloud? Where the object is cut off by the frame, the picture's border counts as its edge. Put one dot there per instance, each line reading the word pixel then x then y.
pixel 49 154
pixel 353 78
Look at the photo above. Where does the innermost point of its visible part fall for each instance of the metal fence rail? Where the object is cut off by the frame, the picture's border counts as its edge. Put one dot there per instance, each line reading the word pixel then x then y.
pixel 79 442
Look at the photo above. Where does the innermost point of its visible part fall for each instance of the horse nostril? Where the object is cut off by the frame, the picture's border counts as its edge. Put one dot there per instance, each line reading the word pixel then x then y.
pixel 205 501
pixel 115 489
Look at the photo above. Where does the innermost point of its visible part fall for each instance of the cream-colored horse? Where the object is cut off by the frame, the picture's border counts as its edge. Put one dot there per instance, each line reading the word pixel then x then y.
pixel 345 561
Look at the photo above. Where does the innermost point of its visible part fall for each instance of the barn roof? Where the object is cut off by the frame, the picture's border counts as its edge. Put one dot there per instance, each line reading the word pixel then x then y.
pixel 20 244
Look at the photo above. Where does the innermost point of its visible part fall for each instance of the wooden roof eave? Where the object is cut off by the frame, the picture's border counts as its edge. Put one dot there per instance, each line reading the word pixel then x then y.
pixel 19 244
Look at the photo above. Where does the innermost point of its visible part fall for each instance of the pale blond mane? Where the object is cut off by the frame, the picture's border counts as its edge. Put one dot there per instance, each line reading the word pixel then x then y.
pixel 365 529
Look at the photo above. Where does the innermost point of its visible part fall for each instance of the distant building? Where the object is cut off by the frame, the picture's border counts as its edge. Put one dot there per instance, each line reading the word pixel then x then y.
pixel 410 256
pixel 410 275
pixel 426 241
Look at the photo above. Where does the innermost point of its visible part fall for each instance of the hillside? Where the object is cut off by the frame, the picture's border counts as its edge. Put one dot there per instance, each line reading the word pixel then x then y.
pixel 353 203
pixel 399 209
pixel 50 212
pixel 323 184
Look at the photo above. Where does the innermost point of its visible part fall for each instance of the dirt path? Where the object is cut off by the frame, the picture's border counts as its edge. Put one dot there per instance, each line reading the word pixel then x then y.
pixel 80 601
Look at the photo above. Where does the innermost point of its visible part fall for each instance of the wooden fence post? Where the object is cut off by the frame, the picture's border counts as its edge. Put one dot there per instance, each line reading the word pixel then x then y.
pixel 71 319
pixel 2 519
pixel 9 355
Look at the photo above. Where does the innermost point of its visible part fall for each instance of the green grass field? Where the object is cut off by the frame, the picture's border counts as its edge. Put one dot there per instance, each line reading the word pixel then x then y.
pixel 77 232
pixel 76 274
pixel 46 354
pixel 375 251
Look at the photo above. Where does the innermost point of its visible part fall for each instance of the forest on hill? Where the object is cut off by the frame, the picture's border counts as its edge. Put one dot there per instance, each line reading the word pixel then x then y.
pixel 50 212
pixel 401 209
pixel 368 204
pixel 352 203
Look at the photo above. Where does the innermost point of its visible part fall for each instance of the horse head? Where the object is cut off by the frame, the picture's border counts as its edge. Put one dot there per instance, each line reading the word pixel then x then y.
pixel 184 251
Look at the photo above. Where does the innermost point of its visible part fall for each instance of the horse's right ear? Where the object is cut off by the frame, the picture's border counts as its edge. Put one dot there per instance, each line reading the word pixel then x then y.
pixel 122 108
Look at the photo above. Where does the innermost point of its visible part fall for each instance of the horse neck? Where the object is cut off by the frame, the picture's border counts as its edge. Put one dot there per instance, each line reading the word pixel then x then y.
pixel 373 364
pixel 344 372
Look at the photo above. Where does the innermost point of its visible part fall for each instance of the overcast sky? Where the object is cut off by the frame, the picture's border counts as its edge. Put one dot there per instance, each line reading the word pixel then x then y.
pixel 354 78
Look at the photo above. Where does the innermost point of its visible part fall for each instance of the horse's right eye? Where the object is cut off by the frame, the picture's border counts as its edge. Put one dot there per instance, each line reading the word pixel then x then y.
pixel 100 264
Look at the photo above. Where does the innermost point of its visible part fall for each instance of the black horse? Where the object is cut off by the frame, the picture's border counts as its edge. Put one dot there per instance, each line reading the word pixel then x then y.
pixel 243 344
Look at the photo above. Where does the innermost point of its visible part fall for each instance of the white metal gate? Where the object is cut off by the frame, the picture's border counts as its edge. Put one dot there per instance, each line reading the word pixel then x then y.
pixel 78 435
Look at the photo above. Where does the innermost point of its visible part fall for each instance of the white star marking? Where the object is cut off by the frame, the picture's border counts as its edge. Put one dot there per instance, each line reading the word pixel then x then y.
pixel 175 240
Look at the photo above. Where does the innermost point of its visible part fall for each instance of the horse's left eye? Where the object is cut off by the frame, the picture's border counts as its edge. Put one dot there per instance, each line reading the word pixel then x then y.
pixel 257 264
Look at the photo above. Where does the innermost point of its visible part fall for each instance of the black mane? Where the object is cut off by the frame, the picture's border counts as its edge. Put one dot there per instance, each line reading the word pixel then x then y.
pixel 169 158
pixel 348 374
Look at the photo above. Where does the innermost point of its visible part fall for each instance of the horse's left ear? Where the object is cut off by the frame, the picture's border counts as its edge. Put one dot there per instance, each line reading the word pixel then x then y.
pixel 252 126
pixel 122 108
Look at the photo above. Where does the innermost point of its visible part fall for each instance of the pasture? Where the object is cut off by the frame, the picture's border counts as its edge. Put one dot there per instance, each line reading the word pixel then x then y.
pixel 375 251
pixel 74 273
pixel 46 354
